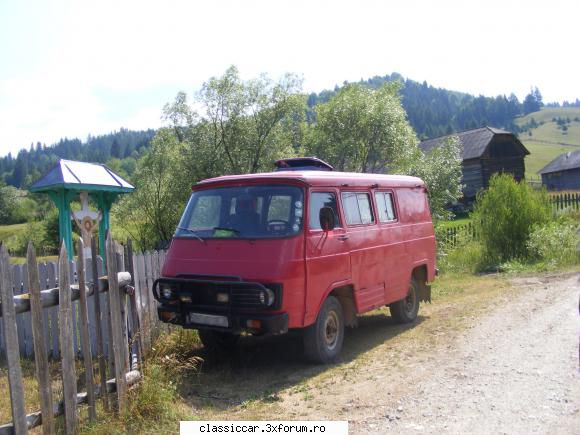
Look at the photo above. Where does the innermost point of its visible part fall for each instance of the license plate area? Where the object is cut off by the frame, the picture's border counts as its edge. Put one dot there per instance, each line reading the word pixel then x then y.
pixel 208 319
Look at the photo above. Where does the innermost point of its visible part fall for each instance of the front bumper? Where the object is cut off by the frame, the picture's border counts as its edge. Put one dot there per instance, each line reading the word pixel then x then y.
pixel 257 323
pixel 228 305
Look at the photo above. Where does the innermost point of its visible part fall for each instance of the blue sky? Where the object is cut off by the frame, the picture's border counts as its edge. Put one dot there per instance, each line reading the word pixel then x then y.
pixel 70 68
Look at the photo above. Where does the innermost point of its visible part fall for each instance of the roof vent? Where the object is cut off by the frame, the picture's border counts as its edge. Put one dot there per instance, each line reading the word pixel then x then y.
pixel 302 164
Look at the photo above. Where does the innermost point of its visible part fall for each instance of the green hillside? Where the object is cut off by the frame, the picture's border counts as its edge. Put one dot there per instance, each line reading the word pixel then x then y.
pixel 549 133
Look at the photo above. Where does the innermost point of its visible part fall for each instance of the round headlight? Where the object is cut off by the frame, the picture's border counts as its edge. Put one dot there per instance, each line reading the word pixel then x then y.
pixel 267 297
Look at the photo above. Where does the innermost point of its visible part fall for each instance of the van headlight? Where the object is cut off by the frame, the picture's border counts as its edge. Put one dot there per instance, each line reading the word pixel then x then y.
pixel 267 297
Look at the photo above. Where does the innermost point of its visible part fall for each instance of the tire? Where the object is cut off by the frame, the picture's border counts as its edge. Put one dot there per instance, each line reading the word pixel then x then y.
pixel 323 340
pixel 218 341
pixel 406 310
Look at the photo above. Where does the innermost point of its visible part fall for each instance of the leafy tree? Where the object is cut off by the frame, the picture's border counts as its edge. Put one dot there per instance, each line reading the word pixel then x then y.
pixel 441 171
pixel 150 214
pixel 366 130
pixel 243 125
pixel 363 130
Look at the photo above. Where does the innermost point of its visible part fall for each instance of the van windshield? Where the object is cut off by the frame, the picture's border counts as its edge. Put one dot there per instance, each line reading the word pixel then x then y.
pixel 243 212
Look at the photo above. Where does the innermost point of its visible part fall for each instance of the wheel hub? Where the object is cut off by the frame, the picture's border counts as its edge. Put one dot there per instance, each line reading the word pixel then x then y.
pixel 331 330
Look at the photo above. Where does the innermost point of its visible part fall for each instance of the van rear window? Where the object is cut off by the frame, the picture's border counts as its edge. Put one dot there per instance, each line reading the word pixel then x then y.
pixel 385 207
pixel 357 208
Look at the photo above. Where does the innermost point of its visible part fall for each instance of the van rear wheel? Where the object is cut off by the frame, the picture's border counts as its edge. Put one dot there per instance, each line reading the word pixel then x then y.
pixel 406 310
pixel 217 340
pixel 323 340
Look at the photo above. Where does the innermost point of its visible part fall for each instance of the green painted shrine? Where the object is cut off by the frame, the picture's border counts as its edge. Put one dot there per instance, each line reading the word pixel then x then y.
pixel 70 180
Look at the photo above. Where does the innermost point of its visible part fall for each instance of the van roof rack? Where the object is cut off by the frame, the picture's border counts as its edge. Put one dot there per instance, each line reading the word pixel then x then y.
pixel 302 164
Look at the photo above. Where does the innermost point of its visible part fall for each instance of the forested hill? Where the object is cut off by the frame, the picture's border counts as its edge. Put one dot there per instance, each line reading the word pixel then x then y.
pixel 436 112
pixel 120 149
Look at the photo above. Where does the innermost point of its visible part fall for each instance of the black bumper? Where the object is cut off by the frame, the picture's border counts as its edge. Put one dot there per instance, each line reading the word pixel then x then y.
pixel 258 323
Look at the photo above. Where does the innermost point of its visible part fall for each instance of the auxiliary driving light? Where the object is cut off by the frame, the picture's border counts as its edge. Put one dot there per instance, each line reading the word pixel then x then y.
pixel 186 299
pixel 223 297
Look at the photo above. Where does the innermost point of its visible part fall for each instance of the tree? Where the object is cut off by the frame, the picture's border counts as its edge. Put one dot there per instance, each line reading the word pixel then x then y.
pixel 363 130
pixel 441 171
pixel 242 125
pixel 150 214
pixel 533 101
pixel 366 130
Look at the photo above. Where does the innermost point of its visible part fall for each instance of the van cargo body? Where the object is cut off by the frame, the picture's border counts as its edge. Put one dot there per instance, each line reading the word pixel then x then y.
pixel 299 249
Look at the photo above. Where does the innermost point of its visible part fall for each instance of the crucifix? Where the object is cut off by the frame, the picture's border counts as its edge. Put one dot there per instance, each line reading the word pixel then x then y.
pixel 87 221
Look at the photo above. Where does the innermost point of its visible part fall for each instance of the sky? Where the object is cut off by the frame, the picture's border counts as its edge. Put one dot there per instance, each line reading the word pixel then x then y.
pixel 70 68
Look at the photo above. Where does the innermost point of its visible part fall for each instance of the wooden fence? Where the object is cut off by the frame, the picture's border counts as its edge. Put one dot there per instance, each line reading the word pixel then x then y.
pixel 147 268
pixel 452 236
pixel 563 201
pixel 76 311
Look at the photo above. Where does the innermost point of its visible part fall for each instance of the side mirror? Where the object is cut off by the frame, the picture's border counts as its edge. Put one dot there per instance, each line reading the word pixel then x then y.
pixel 326 217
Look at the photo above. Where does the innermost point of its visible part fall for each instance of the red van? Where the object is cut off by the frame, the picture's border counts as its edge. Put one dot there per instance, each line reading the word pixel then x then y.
pixel 303 247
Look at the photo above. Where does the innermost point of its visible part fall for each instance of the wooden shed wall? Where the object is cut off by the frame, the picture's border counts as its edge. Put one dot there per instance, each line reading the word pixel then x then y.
pixel 564 180
pixel 472 178
pixel 503 155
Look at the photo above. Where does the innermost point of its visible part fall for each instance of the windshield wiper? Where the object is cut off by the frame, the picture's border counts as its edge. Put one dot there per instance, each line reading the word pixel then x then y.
pixel 227 229
pixel 192 232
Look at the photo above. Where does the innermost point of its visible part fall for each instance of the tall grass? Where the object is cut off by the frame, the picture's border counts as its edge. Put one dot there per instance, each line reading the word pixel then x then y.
pixel 154 404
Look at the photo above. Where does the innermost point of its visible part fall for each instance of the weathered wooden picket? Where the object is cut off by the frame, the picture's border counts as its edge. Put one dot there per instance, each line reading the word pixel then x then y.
pixel 563 201
pixel 68 312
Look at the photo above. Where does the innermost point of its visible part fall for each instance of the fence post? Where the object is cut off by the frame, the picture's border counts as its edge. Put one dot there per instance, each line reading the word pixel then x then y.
pixel 40 351
pixel 99 325
pixel 66 344
pixel 116 326
pixel 85 337
pixel 136 337
pixel 11 342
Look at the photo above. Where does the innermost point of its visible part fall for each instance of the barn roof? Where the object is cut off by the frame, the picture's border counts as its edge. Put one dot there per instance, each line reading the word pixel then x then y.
pixel 474 142
pixel 564 162
pixel 73 175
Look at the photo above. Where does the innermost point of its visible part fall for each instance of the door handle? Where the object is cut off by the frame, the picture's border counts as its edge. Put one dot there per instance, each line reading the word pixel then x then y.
pixel 342 238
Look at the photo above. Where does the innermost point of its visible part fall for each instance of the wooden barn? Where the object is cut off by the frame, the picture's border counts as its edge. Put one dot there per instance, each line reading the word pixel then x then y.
pixel 562 173
pixel 486 151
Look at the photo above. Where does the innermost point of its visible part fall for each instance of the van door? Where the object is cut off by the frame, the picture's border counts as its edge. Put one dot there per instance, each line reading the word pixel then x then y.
pixel 367 261
pixel 327 253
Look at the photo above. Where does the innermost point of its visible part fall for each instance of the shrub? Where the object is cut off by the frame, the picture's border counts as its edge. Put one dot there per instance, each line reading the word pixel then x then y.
pixel 505 214
pixel 555 243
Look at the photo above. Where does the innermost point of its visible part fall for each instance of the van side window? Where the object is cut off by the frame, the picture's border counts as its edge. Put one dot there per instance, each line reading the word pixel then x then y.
pixel 319 200
pixel 385 207
pixel 357 208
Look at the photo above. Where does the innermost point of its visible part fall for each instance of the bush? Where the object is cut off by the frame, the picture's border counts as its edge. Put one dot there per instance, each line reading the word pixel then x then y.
pixel 555 243
pixel 505 215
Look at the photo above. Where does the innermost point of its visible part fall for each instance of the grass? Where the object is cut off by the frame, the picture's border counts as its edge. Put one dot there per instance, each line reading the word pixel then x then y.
pixel 541 154
pixel 546 115
pixel 8 231
pixel 547 141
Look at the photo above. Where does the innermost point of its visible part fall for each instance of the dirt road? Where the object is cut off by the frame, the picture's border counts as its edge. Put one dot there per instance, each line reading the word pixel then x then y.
pixel 510 368
pixel 516 371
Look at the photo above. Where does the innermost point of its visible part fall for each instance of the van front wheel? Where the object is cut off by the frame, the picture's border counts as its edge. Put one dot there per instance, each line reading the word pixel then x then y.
pixel 406 310
pixel 323 340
